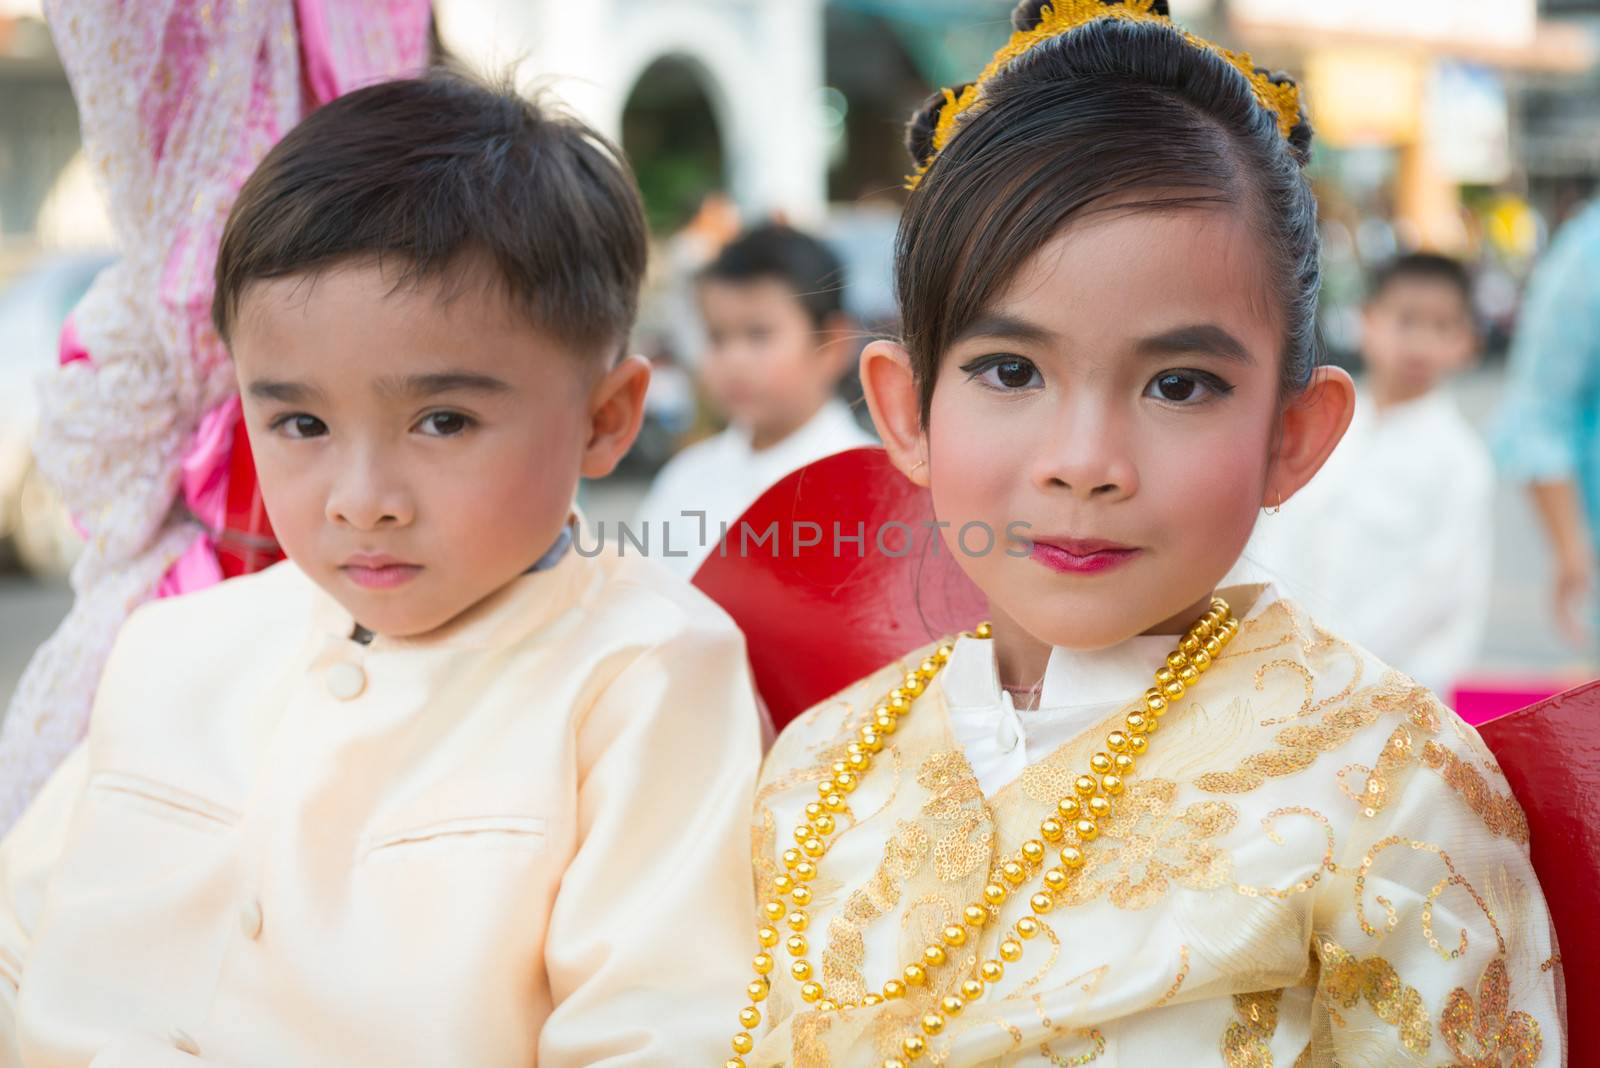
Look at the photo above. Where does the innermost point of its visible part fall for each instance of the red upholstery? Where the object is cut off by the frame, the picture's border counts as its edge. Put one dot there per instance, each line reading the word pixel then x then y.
pixel 817 619
pixel 1550 753
pixel 246 544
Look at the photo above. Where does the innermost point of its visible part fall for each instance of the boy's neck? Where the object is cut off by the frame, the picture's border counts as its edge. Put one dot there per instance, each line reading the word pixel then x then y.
pixel 1388 394
pixel 767 435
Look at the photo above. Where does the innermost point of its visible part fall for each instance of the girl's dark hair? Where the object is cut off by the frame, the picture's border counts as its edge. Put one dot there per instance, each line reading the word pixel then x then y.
pixel 1113 106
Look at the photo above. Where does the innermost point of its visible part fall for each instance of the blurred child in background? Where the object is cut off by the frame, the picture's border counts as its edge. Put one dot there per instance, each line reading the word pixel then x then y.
pixel 777 343
pixel 1390 543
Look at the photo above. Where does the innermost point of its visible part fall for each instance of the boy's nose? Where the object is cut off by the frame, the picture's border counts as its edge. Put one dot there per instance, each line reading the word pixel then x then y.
pixel 367 499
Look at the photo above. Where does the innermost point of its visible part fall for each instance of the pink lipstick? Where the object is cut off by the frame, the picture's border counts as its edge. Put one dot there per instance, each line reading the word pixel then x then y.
pixel 1082 556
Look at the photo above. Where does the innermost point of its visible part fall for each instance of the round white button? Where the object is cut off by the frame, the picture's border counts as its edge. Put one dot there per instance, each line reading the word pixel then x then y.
pixel 345 681
pixel 1006 735
pixel 250 920
pixel 182 1041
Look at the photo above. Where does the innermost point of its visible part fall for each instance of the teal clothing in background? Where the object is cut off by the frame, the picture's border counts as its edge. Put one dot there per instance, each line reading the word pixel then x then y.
pixel 1549 425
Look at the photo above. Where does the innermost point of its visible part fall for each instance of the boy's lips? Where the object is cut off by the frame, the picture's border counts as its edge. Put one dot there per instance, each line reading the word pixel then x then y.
pixel 1081 556
pixel 378 571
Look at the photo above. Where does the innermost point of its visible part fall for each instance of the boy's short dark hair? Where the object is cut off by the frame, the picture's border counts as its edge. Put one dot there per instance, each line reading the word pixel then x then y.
pixel 791 256
pixel 1426 267
pixel 431 171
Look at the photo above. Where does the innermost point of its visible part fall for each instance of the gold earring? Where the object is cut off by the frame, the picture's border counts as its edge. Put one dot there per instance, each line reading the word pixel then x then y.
pixel 919 463
pixel 1276 508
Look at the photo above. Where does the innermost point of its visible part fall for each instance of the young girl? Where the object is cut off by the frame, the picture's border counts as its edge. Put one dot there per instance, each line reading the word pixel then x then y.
pixel 1135 820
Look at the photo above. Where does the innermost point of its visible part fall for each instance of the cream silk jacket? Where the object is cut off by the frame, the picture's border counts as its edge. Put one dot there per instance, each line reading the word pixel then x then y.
pixel 521 841
pixel 1314 864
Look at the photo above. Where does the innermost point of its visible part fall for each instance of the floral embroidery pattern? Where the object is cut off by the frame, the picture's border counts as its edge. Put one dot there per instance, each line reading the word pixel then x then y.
pixel 1247 1041
pixel 1347 981
pixel 1487 1035
pixel 1155 847
pixel 1499 812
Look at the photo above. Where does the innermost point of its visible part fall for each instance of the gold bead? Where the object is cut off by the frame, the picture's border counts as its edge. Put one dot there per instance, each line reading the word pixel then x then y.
pixel 1117 741
pixel 733 1062
pixel 1188 674
pixel 954 935
pixel 811 991
pixel 899 705
pixel 1085 786
pixel 1202 660
pixel 804 831
pixel 1155 701
pixel 942 654
pixel 1123 763
pixel 791 857
pixel 975 915
pixel 1010 951
pixel 992 971
pixel 1100 763
pixel 884 723
pixel 796 945
pixel 767 936
pixel 762 963
pixel 914 1046
pixel 951 1005
pixel 1071 857
pixel 913 685
pixel 1099 807
pixel 928 668
pixel 757 990
pixel 1177 659
pixel 1013 872
pixel 914 975
pixel 1202 628
pixel 743 1043
pixel 971 990
pixel 858 762
pixel 774 910
pixel 1033 851
pixel 801 895
pixel 749 1016
pixel 797 920
pixel 984 631
pixel 1041 903
pixel 1213 647
pixel 805 871
pixel 1152 725
pixel 1138 723
pixel 932 1023
pixel 1068 807
pixel 1087 831
pixel 1111 783
pixel 813 847
pixel 1173 690
pixel 894 1062
pixel 845 781
pixel 826 1006
pixel 934 955
pixel 813 810
pixel 801 970
pixel 1055 880
pixel 1190 645
pixel 870 1000
pixel 995 894
pixel 871 739
pixel 1138 744
pixel 824 824
pixel 1051 829
pixel 783 883
pixel 1027 927
pixel 893 989
pixel 1165 675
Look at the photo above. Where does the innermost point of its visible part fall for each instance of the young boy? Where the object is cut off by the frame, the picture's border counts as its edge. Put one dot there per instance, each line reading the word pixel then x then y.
pixel 438 790
pixel 778 341
pixel 1390 543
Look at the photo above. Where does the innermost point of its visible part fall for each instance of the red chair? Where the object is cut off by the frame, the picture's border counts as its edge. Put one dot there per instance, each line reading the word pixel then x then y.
pixel 818 620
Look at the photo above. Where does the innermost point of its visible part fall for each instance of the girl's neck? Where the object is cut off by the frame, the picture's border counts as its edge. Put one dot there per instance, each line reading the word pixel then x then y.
pixel 1021 658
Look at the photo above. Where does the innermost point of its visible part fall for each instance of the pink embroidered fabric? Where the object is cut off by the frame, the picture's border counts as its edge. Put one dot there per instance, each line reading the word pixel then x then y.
pixel 178 100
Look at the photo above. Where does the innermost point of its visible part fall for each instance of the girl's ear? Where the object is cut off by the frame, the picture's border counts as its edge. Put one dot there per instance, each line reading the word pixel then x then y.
pixel 616 411
pixel 891 391
pixel 1309 429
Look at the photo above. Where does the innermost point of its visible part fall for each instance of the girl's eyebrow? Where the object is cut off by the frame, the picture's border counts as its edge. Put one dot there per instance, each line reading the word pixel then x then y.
pixel 1007 327
pixel 1200 337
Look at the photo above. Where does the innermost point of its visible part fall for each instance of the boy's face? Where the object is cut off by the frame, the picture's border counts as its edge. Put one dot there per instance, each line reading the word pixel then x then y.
pixel 1415 332
pixel 415 453
pixel 766 366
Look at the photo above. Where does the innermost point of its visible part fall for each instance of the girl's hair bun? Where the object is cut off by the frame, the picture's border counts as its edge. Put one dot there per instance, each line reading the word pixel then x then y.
pixel 919 131
pixel 1300 134
pixel 1029 13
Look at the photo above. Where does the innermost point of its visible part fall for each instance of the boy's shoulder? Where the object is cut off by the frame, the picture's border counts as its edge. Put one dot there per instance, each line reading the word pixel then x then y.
pixel 638 596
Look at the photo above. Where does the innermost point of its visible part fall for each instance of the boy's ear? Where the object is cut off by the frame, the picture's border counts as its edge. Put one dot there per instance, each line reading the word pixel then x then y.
pixel 891 392
pixel 1309 429
pixel 616 412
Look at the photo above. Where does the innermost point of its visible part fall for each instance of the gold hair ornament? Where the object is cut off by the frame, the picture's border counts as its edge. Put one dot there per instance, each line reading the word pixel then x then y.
pixel 1062 16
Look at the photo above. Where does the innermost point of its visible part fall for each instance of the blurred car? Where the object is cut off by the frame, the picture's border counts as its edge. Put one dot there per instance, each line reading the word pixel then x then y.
pixel 35 530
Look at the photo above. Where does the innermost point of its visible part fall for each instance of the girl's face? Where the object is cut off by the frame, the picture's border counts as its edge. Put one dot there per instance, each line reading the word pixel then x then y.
pixel 1118 408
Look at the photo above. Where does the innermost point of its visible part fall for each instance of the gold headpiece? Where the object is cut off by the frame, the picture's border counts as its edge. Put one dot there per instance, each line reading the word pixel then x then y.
pixel 1062 16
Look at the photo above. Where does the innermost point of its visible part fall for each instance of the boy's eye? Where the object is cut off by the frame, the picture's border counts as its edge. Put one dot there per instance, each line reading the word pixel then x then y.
pixel 1185 387
pixel 1005 373
pixel 299 425
pixel 444 424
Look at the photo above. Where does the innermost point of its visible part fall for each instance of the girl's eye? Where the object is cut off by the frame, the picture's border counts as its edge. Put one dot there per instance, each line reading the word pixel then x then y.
pixel 1008 374
pixel 299 425
pixel 444 424
pixel 1185 387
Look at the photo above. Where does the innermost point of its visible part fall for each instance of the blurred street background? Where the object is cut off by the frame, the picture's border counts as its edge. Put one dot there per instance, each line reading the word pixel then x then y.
pixel 1466 126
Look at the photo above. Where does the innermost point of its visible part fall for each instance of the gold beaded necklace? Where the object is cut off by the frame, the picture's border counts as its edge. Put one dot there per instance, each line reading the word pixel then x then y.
pixel 1073 825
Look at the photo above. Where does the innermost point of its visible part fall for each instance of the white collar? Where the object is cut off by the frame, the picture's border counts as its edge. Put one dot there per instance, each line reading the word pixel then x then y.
pixel 829 429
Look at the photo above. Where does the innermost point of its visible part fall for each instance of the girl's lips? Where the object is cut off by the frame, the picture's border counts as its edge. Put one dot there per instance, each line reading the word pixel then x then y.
pixel 381 577
pixel 1082 557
